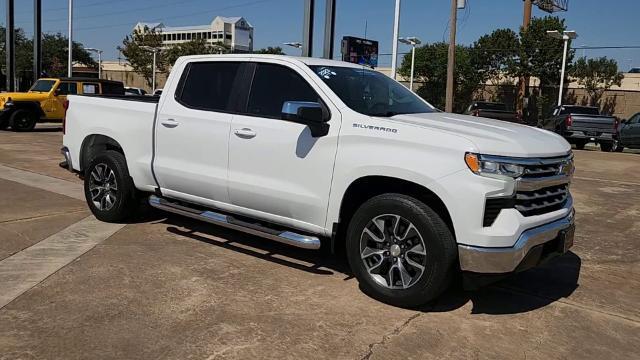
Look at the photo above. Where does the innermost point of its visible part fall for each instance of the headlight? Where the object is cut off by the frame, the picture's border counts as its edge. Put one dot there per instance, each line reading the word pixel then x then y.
pixel 493 168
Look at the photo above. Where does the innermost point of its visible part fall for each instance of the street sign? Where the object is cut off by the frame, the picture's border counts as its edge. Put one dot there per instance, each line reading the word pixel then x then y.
pixel 360 51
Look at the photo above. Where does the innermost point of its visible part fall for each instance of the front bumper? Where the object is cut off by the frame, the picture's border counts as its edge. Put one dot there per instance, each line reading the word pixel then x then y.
pixel 532 247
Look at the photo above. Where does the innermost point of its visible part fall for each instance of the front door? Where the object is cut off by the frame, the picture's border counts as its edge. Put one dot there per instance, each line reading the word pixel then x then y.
pixel 630 132
pixel 192 134
pixel 277 170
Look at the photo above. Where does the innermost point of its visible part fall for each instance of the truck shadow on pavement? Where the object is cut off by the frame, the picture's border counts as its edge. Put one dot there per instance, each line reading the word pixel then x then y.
pixel 520 293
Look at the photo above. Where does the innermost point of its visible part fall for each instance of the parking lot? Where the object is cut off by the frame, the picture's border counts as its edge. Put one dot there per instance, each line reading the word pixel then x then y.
pixel 168 287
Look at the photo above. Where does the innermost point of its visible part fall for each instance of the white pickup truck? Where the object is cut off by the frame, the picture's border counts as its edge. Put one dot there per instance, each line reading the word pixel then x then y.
pixel 304 151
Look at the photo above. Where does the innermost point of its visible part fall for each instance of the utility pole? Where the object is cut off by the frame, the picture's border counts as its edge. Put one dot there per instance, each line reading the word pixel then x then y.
pixel 10 47
pixel 329 28
pixel 451 63
pixel 523 81
pixel 37 39
pixel 70 45
pixel 394 44
pixel 307 31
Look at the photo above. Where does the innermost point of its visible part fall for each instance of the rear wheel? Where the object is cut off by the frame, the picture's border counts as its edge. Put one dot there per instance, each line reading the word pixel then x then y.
pixel 617 146
pixel 580 144
pixel 400 250
pixel 607 146
pixel 108 188
pixel 23 120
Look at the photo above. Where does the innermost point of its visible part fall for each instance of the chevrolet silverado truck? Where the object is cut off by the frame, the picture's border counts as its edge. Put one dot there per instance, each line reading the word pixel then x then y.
pixel 44 101
pixel 580 125
pixel 310 151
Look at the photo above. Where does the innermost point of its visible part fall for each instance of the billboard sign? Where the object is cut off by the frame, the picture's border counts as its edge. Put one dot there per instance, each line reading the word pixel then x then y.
pixel 360 51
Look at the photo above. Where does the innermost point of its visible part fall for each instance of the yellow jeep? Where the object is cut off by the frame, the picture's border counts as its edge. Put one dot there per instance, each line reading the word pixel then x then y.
pixel 45 100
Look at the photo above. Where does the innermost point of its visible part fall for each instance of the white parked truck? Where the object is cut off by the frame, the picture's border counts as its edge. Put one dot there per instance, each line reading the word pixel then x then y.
pixel 304 151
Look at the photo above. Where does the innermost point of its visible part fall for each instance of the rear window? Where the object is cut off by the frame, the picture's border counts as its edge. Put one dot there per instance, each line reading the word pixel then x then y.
pixel 583 110
pixel 207 85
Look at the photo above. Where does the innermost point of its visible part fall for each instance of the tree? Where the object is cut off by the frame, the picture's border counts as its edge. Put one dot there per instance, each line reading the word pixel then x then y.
pixel 135 48
pixel 54 55
pixel 496 53
pixel 431 70
pixel 193 47
pixel 596 75
pixel 271 50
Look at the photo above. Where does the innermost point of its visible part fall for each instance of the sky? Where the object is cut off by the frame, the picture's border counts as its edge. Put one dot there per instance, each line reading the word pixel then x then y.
pixel 104 23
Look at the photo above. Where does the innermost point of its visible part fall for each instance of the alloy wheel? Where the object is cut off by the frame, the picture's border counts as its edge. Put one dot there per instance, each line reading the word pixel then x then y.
pixel 393 251
pixel 103 187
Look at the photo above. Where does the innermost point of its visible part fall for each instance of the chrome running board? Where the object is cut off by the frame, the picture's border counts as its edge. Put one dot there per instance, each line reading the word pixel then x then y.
pixel 285 237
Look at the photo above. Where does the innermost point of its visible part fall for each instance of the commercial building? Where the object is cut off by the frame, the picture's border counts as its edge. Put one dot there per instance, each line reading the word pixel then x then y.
pixel 235 32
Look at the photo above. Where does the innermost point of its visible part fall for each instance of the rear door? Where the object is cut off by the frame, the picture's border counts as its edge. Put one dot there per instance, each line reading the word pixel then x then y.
pixel 277 170
pixel 192 133
pixel 60 96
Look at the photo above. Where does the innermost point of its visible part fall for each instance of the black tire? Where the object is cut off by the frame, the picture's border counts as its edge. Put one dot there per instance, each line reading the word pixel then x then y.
pixel 440 250
pixel 125 202
pixel 606 146
pixel 617 146
pixel 580 144
pixel 23 120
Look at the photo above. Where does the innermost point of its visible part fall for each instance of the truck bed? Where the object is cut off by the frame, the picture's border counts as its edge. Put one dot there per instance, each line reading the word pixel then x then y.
pixel 592 123
pixel 129 119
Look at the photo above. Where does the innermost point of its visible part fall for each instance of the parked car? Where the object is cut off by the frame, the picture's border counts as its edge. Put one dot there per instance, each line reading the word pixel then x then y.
pixel 45 100
pixel 158 92
pixel 134 91
pixel 305 151
pixel 581 125
pixel 628 134
pixel 493 110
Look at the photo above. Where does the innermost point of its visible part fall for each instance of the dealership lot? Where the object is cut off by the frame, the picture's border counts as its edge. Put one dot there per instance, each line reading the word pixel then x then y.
pixel 167 287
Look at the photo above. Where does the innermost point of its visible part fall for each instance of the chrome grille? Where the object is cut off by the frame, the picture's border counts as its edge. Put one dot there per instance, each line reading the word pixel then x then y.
pixel 544 186
pixel 542 201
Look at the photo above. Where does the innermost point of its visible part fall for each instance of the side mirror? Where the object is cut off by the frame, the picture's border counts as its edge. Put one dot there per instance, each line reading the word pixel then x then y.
pixel 308 113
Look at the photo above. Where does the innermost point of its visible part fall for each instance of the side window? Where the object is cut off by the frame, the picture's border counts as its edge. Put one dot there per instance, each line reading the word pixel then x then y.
pixel 635 119
pixel 272 86
pixel 208 85
pixel 90 88
pixel 67 88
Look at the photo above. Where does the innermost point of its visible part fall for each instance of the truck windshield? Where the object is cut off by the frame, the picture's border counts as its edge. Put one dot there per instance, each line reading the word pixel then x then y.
pixel 370 92
pixel 43 85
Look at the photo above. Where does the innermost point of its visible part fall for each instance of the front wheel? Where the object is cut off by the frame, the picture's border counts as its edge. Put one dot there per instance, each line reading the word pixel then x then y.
pixel 23 120
pixel 108 188
pixel 400 250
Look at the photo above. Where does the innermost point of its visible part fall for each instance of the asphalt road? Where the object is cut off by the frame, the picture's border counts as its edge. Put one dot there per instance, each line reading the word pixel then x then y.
pixel 171 288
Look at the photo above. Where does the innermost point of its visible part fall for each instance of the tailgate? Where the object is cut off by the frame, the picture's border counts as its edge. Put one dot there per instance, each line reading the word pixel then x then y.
pixel 592 123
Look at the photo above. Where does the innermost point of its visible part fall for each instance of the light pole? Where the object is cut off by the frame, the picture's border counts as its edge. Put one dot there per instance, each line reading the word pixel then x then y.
pixel 413 41
pixel 394 45
pixel 70 45
pixel 565 36
pixel 153 76
pixel 296 45
pixel 99 52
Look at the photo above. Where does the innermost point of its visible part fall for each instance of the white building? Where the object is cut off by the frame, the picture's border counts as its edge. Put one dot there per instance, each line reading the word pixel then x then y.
pixel 236 32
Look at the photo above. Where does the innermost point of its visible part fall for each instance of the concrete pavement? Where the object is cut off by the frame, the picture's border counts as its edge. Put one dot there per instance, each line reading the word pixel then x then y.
pixel 168 287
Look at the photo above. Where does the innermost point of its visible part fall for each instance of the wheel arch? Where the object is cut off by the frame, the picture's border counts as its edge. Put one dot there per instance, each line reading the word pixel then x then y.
pixel 366 187
pixel 28 105
pixel 94 144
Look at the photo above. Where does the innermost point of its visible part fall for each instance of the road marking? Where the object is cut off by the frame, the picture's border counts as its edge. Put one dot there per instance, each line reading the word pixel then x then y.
pixel 27 268
pixel 44 182
pixel 606 180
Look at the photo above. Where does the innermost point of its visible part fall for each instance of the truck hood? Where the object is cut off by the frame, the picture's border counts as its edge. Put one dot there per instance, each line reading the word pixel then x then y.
pixel 493 137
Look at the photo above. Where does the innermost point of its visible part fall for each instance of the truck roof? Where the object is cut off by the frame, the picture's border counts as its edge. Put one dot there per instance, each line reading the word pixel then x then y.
pixel 305 60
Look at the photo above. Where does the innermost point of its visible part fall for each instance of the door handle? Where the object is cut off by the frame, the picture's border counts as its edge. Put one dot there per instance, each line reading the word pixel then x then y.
pixel 245 133
pixel 169 123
